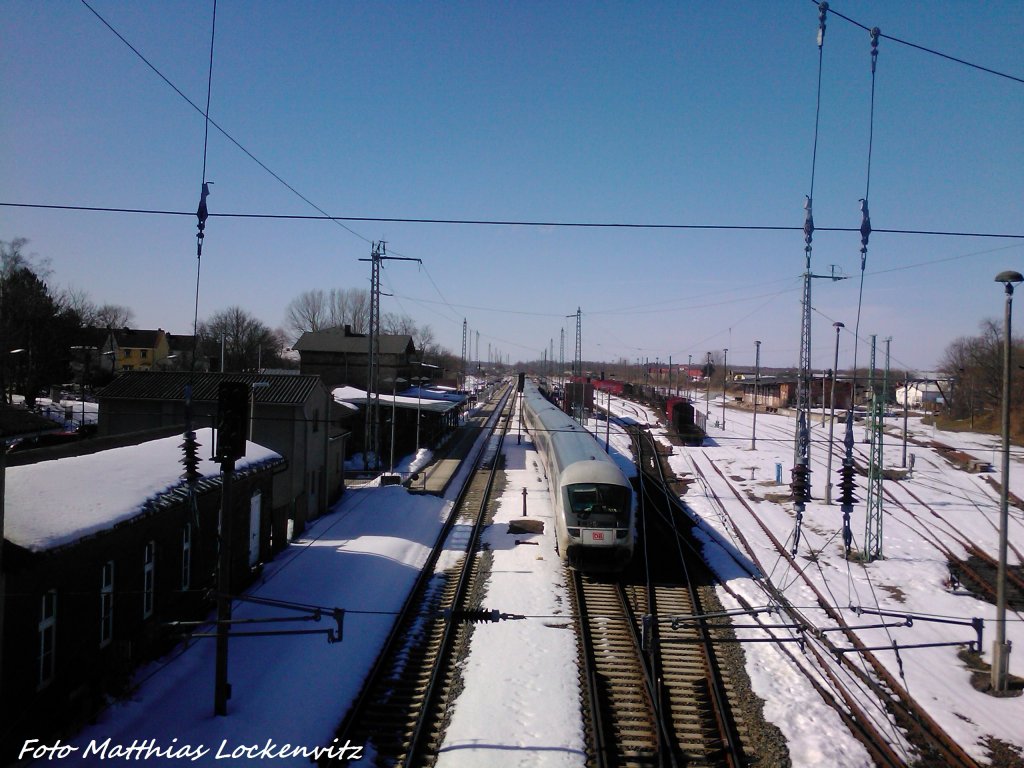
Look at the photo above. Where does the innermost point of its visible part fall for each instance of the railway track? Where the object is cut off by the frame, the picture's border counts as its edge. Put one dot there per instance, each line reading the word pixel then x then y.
pixel 658 695
pixel 975 567
pixel 399 713
pixel 923 735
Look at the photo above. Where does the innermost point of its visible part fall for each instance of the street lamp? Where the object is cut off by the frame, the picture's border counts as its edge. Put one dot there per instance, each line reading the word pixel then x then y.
pixel 419 380
pixel 1000 648
pixel 725 378
pixel 707 391
pixel 757 380
pixel 832 415
pixel 394 397
pixel 85 364
pixel 18 351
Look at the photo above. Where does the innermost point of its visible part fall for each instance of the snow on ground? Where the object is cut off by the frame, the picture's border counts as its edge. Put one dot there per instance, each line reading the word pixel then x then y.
pixel 520 703
pixel 911 578
pixel 362 557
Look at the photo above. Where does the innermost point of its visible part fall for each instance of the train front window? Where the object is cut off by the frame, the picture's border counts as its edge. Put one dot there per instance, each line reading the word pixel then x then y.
pixel 609 503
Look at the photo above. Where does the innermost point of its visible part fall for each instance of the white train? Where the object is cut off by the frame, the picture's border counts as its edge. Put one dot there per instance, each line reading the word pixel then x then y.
pixel 592 499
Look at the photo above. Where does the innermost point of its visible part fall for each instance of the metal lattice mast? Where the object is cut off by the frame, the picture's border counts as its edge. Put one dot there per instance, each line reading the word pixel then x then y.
pixel 462 376
pixel 577 368
pixel 561 358
pixel 803 386
pixel 577 363
pixel 371 436
pixel 873 513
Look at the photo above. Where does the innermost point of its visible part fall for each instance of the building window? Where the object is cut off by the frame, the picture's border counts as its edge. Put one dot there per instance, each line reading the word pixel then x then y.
pixel 316 421
pixel 47 638
pixel 148 580
pixel 186 557
pixel 144 354
pixel 107 604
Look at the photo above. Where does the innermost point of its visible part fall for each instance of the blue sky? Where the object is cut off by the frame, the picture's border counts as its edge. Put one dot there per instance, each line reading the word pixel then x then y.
pixel 668 113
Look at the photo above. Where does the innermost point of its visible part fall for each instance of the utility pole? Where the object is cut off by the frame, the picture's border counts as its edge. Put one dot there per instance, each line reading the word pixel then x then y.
pixel 1001 648
pixel 561 361
pixel 832 419
pixel 757 381
pixel 232 413
pixel 462 376
pixel 725 379
pixel 707 391
pixel 577 368
pixel 802 443
pixel 371 437
pixel 873 514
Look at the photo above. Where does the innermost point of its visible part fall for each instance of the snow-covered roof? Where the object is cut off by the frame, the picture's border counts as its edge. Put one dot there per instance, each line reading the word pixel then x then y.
pixel 53 503
pixel 353 396
pixel 341 340
pixel 267 388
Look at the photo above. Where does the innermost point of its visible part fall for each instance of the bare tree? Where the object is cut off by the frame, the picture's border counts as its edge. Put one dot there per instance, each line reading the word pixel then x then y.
pixel 975 365
pixel 397 325
pixel 248 343
pixel 106 316
pixel 350 306
pixel 317 310
pixel 307 312
pixel 114 316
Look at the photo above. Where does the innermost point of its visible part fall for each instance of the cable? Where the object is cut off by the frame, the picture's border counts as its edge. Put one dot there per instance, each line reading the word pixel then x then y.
pixel 865 226
pixel 924 48
pixel 510 222
pixel 226 135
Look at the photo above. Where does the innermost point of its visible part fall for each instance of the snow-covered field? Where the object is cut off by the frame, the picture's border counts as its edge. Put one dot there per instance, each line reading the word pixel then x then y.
pixel 520 700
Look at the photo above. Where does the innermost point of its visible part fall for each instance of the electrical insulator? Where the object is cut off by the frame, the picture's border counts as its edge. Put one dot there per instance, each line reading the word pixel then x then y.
pixel 800 485
pixel 190 458
pixel 846 484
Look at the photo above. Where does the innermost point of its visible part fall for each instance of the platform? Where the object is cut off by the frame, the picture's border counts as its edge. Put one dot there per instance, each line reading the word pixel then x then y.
pixel 436 476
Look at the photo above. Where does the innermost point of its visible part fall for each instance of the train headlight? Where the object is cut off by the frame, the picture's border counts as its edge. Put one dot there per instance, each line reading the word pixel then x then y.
pixel 574 532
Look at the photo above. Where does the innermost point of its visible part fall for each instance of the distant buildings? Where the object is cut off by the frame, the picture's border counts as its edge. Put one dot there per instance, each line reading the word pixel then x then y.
pixel 340 358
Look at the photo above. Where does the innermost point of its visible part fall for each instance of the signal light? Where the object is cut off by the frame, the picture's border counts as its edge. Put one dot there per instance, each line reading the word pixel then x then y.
pixel 232 420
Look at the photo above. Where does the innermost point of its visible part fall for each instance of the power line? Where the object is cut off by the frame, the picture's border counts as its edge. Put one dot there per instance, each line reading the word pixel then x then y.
pixel 513 222
pixel 212 122
pixel 923 48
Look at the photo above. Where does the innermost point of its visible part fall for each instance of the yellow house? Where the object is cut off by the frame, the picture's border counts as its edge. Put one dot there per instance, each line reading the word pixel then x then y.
pixel 138 350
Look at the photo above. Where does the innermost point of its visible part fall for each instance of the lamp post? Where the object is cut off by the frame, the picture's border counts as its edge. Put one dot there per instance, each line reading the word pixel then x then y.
pixel 725 378
pixel 1000 648
pixel 419 380
pixel 85 364
pixel 757 379
pixel 707 391
pixel 832 415
pixel 394 398
pixel 9 397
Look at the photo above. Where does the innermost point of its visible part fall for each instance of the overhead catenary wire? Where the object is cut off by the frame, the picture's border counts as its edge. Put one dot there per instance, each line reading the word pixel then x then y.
pixel 865 227
pixel 515 222
pixel 209 122
pixel 924 48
